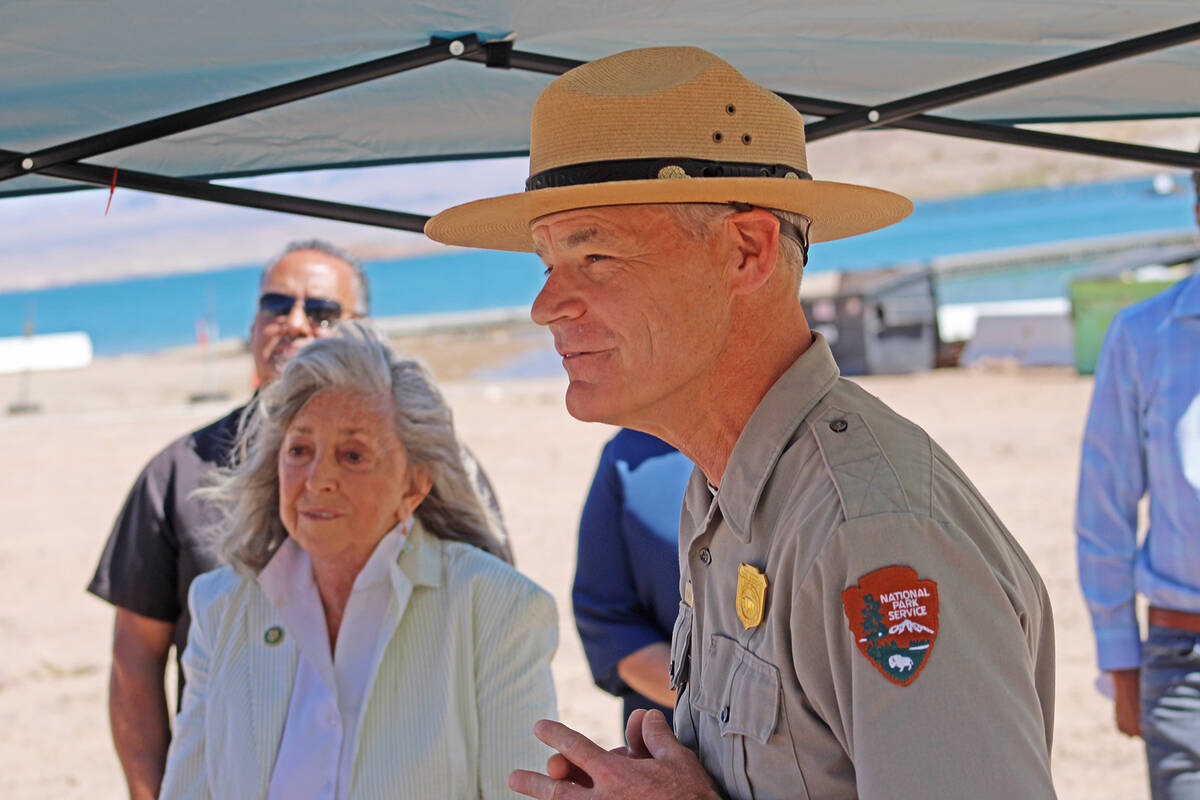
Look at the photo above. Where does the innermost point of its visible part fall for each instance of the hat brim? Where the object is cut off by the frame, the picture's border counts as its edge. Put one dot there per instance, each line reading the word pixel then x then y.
pixel 837 210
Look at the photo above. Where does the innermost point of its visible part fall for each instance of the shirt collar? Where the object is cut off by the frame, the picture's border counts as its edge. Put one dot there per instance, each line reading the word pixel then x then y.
pixel 378 565
pixel 421 556
pixel 290 570
pixel 1187 304
pixel 783 408
pixel 287 574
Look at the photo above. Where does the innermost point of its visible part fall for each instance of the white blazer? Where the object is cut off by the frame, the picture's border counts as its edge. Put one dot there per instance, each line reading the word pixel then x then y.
pixel 450 708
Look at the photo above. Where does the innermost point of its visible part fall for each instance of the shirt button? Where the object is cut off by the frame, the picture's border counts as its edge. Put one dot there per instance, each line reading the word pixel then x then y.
pixel 705 556
pixel 838 425
pixel 725 714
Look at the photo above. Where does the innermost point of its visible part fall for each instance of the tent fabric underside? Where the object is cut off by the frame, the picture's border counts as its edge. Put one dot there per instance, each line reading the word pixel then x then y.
pixel 70 69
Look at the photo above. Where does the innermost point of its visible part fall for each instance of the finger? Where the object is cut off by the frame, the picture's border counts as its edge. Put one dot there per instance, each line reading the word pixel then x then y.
pixel 633 734
pixel 557 767
pixel 659 739
pixel 577 748
pixel 542 787
pixel 560 769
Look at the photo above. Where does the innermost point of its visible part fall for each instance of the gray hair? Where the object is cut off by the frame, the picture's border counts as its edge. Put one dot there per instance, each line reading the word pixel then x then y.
pixel 362 289
pixel 356 358
pixel 701 217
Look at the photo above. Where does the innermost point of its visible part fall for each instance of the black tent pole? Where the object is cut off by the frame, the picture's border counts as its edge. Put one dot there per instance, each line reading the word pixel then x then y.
pixel 1044 140
pixel 500 54
pixel 233 195
pixel 159 127
pixel 908 106
pixel 1008 134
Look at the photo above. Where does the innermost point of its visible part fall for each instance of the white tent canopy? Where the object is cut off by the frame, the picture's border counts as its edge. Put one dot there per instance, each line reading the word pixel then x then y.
pixel 73 69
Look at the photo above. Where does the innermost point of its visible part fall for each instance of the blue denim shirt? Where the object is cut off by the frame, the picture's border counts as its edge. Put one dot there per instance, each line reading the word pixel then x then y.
pixel 626 592
pixel 1142 438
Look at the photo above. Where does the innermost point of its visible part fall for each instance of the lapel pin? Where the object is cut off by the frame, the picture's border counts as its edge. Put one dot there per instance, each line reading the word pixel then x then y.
pixel 273 636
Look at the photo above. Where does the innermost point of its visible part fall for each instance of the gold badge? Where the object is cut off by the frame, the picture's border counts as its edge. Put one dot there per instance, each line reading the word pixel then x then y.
pixel 751 595
pixel 273 636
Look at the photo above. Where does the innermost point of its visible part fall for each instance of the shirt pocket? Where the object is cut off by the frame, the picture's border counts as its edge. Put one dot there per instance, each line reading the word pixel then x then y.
pixel 741 697
pixel 740 689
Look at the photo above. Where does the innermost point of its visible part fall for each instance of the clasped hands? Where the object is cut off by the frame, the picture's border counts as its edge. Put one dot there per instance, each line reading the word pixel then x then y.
pixel 652 764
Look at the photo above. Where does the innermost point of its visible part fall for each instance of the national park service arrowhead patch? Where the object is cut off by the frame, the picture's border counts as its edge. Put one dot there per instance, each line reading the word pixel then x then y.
pixel 893 615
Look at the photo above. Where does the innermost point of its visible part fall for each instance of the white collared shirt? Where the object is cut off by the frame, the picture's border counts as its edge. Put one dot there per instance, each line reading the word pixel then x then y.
pixel 316 753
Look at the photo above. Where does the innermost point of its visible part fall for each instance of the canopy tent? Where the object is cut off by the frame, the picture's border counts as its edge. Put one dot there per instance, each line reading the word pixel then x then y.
pixel 167 96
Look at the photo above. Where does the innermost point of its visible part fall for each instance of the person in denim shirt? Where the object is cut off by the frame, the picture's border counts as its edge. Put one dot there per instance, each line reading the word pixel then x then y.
pixel 1143 440
pixel 626 591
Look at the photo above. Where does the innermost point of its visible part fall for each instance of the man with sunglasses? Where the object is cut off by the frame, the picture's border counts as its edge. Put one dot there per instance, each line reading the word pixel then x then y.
pixel 302 296
pixel 156 548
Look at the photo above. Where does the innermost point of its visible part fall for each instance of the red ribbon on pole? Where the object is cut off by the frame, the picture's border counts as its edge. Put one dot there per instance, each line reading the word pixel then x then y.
pixel 112 188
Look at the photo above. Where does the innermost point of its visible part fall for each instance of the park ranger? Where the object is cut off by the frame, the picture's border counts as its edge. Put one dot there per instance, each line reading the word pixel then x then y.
pixel 854 619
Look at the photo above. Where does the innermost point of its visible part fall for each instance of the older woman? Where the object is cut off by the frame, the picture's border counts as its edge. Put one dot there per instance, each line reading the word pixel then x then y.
pixel 365 641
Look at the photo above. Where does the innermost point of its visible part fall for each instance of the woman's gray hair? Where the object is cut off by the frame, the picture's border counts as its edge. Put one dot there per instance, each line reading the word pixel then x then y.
pixel 356 358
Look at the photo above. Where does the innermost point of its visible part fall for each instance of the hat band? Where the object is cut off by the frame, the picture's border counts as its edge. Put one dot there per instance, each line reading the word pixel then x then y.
pixel 648 169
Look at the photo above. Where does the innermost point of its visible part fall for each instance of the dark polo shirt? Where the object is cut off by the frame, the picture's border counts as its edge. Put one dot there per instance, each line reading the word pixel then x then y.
pixel 157 546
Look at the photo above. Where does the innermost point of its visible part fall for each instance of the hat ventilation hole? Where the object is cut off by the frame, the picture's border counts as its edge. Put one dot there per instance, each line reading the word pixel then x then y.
pixel 729 109
pixel 717 137
pixel 745 138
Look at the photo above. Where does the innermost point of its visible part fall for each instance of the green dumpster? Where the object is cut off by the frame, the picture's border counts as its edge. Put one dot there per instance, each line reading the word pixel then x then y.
pixel 1093 305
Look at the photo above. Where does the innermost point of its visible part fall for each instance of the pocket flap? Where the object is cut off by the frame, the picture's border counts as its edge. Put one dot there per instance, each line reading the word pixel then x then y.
pixel 740 689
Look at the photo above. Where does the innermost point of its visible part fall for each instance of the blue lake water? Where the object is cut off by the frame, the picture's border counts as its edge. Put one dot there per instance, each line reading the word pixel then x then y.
pixel 146 314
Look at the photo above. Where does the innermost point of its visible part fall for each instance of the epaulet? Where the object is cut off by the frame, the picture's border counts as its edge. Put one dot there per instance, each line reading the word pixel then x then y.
pixel 865 480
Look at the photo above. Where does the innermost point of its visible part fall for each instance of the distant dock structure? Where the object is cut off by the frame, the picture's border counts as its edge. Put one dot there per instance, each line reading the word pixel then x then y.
pixel 1017 303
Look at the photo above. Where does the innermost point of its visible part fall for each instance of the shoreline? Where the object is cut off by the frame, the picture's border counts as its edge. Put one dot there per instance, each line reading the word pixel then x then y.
pixel 1023 259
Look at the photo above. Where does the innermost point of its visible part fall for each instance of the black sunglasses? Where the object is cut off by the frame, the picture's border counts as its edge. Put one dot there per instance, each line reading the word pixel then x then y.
pixel 321 313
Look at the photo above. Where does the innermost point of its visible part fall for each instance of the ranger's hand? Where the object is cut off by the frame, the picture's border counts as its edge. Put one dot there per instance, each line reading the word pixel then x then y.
pixel 653 764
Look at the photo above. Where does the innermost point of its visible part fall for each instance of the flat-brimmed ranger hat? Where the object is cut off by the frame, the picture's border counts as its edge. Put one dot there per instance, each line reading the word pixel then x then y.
pixel 664 125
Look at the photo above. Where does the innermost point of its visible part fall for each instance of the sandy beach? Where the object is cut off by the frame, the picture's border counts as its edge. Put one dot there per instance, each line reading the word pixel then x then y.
pixel 66 470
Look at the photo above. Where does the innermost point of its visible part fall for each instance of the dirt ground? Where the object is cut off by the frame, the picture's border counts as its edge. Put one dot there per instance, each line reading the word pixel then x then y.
pixel 66 469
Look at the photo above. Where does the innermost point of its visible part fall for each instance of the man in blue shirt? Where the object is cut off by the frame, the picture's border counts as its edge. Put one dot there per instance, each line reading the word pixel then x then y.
pixel 626 592
pixel 1143 439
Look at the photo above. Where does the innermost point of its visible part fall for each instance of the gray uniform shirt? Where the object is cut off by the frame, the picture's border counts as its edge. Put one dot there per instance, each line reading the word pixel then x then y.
pixel 905 647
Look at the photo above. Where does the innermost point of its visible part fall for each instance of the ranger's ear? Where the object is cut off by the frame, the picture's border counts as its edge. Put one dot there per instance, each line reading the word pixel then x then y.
pixel 756 239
